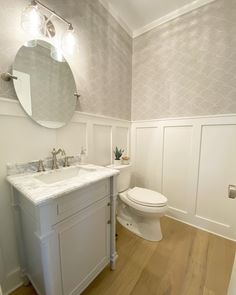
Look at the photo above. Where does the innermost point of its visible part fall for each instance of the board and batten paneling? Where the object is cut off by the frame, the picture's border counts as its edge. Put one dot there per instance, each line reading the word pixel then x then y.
pixel 102 144
pixel 232 284
pixel 121 139
pixel 146 157
pixel 194 158
pixel 177 156
pixel 1 270
pixel 73 137
pixel 217 169
pixel 23 140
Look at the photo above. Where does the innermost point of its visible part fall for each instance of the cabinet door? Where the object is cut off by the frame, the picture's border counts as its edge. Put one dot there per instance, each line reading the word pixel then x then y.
pixel 84 242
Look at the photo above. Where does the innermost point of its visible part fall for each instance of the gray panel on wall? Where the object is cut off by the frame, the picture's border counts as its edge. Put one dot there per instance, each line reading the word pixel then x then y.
pixel 187 67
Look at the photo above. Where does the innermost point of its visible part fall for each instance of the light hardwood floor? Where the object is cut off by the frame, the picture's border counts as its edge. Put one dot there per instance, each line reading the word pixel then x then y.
pixel 187 261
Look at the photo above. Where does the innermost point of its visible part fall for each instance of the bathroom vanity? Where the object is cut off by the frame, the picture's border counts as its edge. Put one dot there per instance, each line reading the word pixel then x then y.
pixel 65 223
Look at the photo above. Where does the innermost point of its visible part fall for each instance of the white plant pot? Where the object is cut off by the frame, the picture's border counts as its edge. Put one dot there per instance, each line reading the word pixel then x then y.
pixel 125 162
pixel 117 162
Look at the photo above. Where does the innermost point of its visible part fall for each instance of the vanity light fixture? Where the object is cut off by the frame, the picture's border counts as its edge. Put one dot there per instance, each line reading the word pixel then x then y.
pixel 34 22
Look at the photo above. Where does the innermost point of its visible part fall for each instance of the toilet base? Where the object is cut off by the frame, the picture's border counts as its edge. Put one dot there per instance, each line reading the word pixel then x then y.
pixel 148 228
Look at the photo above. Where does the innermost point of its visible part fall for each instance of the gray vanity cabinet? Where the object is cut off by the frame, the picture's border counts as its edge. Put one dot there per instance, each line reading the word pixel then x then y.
pixel 66 242
pixel 84 241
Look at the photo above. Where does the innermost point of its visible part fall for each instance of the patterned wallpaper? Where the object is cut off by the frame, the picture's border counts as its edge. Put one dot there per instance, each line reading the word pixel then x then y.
pixel 187 67
pixel 102 65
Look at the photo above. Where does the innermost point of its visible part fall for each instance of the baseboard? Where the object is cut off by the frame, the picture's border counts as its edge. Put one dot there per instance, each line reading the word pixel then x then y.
pixel 13 289
pixel 201 228
pixel 13 281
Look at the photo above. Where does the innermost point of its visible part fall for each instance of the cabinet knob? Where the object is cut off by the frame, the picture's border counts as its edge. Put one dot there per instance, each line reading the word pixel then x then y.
pixel 109 222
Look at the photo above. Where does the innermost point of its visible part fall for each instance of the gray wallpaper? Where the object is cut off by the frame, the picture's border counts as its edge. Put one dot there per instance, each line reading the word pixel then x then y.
pixel 187 67
pixel 102 65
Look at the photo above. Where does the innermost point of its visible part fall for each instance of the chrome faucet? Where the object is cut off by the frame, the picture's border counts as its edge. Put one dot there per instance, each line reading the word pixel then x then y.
pixel 54 157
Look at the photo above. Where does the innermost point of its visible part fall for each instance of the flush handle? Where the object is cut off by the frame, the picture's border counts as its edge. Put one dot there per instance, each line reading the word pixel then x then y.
pixel 232 191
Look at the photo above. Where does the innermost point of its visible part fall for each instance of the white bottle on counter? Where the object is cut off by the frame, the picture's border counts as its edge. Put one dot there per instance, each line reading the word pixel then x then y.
pixel 83 156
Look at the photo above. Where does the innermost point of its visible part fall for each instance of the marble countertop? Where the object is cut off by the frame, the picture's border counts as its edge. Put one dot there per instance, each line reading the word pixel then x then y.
pixel 40 192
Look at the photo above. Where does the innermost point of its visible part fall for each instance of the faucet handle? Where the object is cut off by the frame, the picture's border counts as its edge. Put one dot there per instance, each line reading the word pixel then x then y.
pixel 40 166
pixel 66 162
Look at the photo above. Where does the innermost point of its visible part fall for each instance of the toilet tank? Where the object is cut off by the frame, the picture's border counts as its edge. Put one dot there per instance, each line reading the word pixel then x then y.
pixel 124 178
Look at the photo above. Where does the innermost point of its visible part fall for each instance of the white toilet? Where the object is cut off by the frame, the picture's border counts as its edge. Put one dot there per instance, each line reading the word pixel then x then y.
pixel 139 209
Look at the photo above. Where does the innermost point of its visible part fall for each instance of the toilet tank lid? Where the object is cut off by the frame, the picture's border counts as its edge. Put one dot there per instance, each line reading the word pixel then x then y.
pixel 146 197
pixel 119 167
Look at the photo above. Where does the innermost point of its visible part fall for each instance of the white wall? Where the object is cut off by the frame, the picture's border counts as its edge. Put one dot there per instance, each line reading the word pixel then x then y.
pixel 232 285
pixel 22 140
pixel 191 161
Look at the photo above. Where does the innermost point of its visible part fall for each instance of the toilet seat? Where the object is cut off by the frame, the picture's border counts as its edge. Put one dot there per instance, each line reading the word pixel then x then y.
pixel 140 208
pixel 146 197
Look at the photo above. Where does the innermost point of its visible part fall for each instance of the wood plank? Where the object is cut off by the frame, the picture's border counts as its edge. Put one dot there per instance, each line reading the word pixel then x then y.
pixel 29 290
pixel 219 264
pixel 187 261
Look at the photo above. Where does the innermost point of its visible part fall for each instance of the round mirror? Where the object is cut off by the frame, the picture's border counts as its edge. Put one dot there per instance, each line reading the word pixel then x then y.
pixel 44 84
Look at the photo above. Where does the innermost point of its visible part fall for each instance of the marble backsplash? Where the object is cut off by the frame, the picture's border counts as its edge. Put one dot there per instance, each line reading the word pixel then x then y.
pixel 32 166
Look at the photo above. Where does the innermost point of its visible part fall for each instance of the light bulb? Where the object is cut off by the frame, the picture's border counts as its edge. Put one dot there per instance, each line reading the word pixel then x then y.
pixel 32 20
pixel 69 43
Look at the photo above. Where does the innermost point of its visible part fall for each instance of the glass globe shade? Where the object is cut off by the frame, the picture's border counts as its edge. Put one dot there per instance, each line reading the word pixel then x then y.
pixel 69 43
pixel 32 20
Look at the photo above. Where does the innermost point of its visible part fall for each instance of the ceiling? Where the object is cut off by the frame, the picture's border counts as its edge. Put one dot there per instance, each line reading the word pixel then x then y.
pixel 139 16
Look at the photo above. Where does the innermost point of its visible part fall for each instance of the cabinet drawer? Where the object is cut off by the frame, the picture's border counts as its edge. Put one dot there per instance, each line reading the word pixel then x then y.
pixel 75 201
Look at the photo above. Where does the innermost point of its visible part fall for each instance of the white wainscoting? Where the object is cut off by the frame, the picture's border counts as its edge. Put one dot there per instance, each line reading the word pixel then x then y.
pixel 22 140
pixel 1 269
pixel 232 284
pixel 191 161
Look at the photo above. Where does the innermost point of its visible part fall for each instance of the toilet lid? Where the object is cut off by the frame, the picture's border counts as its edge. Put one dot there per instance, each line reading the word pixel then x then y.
pixel 147 197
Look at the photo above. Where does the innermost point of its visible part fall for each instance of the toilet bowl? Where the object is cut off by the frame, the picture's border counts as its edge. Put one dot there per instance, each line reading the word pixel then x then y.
pixel 142 217
pixel 139 209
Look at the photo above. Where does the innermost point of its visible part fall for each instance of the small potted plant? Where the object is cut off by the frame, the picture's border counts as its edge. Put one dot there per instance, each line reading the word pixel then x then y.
pixel 118 153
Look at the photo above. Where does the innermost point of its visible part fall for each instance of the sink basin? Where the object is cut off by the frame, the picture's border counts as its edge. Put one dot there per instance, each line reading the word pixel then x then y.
pixel 63 174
